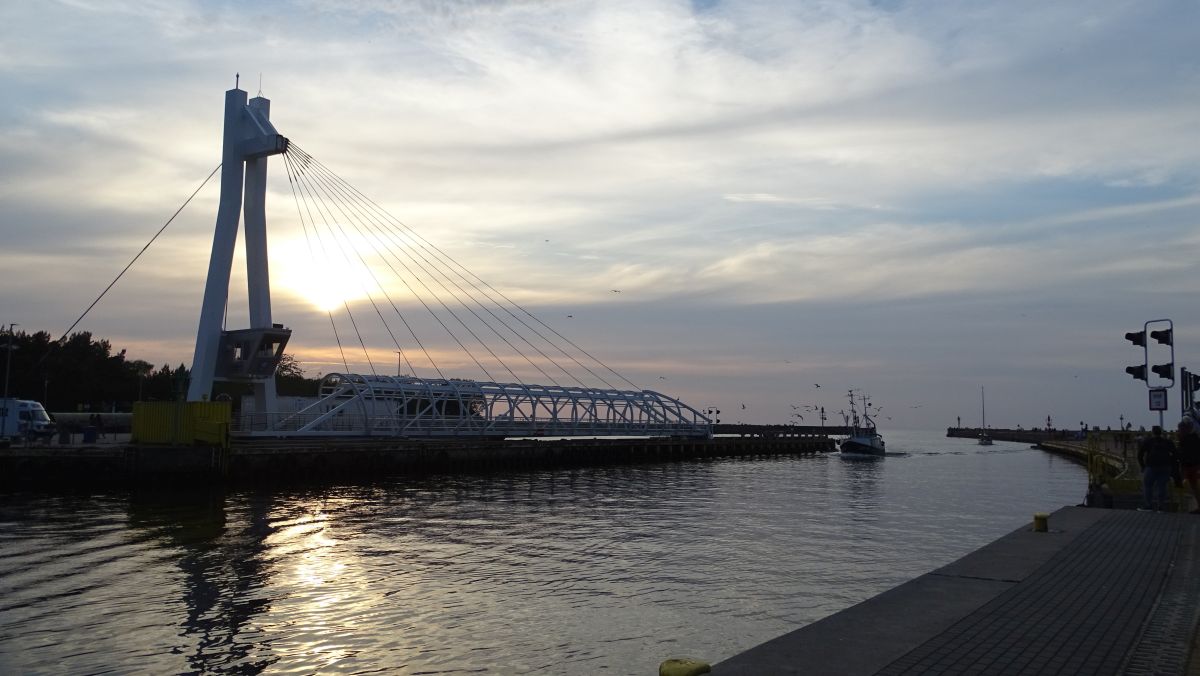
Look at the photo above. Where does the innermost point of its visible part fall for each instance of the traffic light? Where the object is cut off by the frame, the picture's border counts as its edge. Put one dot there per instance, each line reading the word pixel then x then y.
pixel 1191 381
pixel 1164 371
pixel 1156 376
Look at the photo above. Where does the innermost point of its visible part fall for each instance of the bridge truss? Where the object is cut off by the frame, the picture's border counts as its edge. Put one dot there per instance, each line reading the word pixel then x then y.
pixel 361 405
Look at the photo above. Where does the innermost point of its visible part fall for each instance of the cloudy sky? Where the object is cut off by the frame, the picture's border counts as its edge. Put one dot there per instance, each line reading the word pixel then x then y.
pixel 912 199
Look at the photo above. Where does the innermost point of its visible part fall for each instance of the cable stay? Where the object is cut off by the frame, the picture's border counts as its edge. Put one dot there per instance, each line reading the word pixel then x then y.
pixel 139 253
pixel 400 230
pixel 408 280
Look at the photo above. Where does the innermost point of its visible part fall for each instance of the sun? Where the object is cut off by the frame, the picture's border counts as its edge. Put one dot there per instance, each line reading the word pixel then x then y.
pixel 322 277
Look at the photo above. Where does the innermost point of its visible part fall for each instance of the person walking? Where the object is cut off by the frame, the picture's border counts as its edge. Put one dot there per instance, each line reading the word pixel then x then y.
pixel 1189 458
pixel 1156 456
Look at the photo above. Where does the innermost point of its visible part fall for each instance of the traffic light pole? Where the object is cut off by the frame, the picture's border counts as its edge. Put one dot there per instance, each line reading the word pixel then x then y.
pixel 1165 372
pixel 1189 384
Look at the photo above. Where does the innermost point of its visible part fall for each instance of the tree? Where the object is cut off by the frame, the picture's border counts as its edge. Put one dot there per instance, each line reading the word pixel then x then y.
pixel 80 371
pixel 290 380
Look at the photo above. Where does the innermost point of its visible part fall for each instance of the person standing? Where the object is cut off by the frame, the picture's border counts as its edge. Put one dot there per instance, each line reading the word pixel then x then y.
pixel 1156 455
pixel 1189 458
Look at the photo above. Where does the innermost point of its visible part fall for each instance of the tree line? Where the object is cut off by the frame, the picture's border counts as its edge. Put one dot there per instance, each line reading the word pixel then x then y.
pixel 80 372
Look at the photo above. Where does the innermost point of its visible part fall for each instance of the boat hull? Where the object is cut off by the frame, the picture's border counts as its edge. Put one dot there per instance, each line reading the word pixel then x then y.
pixel 863 445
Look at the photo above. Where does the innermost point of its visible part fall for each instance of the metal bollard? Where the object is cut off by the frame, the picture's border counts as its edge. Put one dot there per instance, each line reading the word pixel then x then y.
pixel 1041 522
pixel 683 666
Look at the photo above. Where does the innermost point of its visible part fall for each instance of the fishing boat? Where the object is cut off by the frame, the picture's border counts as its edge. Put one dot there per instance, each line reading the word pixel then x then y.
pixel 864 439
pixel 985 439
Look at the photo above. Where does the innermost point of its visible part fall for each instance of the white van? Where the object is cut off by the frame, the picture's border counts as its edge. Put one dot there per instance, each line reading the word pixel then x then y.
pixel 24 418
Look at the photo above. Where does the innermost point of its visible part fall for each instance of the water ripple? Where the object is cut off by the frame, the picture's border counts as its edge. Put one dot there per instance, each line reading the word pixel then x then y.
pixel 580 571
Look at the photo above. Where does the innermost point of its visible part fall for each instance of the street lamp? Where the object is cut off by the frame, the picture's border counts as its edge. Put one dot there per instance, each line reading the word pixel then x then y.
pixel 399 354
pixel 9 347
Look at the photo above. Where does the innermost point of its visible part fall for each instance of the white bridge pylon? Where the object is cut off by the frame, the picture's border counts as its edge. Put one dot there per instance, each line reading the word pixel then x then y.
pixel 358 405
pixel 250 354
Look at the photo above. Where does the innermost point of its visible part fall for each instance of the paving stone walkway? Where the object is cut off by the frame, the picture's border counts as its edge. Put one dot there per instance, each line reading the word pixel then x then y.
pixel 1080 613
pixel 1117 593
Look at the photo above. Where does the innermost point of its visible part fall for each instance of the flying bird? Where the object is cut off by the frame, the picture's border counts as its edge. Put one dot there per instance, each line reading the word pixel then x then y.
pixel 816 384
pixel 616 291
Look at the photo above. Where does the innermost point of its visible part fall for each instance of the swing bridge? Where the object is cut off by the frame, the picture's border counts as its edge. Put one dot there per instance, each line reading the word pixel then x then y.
pixel 402 270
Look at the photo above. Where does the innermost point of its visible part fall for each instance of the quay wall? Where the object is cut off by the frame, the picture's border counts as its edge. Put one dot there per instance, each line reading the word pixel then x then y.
pixel 244 460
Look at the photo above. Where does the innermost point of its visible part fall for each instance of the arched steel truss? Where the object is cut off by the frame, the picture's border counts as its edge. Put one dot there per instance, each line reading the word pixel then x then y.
pixel 358 405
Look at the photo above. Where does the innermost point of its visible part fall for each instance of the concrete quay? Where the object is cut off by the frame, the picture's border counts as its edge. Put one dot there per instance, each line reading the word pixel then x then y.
pixel 116 459
pixel 1102 592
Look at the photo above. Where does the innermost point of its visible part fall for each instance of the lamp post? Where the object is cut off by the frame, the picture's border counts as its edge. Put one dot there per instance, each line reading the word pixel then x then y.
pixel 9 347
pixel 399 354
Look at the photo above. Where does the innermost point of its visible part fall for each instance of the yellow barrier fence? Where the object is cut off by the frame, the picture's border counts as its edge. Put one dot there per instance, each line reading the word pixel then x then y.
pixel 182 423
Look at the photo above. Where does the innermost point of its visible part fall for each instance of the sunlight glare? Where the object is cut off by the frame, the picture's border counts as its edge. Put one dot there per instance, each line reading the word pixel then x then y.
pixel 323 278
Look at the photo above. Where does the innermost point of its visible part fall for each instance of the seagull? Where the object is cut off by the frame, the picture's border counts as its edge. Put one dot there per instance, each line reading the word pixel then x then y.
pixel 816 385
pixel 616 291
pixel 570 316
pixel 662 377
pixel 743 407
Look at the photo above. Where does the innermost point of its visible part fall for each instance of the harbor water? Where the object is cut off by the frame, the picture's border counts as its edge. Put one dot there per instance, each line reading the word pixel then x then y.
pixel 605 570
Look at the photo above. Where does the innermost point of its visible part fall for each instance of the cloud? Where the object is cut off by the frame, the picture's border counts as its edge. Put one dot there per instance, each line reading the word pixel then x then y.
pixel 762 166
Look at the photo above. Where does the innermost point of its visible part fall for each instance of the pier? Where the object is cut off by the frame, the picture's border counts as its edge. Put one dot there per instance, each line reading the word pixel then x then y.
pixel 1025 436
pixel 1101 592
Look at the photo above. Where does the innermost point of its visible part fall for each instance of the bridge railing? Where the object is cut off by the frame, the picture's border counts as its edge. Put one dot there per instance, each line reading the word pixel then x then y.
pixel 356 405
pixel 283 424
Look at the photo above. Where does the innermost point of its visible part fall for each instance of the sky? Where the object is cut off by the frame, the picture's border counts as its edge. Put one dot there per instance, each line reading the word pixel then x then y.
pixel 915 200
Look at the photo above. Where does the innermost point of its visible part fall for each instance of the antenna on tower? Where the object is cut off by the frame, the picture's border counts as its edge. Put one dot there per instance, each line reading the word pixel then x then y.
pixel 237 77
pixel 260 84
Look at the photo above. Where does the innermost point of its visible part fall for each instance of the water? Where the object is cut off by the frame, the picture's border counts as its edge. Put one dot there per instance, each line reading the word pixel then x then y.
pixel 606 570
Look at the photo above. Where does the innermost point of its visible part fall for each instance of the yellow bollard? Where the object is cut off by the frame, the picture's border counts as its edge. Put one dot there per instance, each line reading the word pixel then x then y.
pixel 1041 522
pixel 683 666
